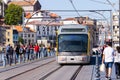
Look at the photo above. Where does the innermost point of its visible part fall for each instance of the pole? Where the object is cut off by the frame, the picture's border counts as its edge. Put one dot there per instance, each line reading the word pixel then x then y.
pixel 111 28
pixel 119 22
pixel 23 27
pixel 97 72
pixel 104 32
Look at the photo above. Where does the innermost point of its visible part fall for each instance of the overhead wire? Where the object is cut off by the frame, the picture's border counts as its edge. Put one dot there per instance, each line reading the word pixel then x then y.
pixel 99 2
pixel 74 7
pixel 111 5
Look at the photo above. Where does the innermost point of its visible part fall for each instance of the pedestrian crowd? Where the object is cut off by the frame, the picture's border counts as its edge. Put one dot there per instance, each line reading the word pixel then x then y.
pixel 110 56
pixel 24 53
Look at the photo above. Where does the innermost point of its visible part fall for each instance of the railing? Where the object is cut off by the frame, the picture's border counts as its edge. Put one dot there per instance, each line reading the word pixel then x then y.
pixel 25 57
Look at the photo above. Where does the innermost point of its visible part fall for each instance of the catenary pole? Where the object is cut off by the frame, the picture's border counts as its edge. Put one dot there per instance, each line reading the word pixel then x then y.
pixel 119 22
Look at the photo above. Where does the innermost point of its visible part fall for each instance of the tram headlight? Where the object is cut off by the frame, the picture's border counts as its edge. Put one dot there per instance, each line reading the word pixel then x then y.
pixel 83 58
pixel 62 58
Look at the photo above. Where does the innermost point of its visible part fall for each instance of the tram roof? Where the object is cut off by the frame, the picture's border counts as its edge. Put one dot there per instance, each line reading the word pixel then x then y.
pixel 73 28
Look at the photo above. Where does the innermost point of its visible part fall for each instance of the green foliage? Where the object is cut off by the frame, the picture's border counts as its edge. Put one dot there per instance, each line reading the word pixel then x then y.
pixel 13 15
pixel 0 1
pixel 20 40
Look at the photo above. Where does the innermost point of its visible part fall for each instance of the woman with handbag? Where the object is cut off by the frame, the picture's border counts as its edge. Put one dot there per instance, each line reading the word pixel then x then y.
pixel 117 62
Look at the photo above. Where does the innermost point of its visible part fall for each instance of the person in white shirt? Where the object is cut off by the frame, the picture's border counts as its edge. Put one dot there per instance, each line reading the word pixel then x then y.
pixel 117 62
pixel 108 59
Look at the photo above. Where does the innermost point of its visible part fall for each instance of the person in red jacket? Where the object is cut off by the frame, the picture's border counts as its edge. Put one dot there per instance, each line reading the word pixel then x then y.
pixel 36 50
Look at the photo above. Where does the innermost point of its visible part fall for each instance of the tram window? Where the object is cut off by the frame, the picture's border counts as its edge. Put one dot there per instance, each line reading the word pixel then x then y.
pixel 73 43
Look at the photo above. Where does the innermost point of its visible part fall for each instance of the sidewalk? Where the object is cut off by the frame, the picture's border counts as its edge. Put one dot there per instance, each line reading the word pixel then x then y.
pixel 113 76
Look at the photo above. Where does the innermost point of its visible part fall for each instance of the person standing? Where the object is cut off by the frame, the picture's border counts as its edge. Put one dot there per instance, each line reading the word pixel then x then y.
pixel 3 55
pixel 10 55
pixel 36 48
pixel 17 53
pixel 108 59
pixel 117 62
pixel 27 52
pixel 21 53
pixel 7 52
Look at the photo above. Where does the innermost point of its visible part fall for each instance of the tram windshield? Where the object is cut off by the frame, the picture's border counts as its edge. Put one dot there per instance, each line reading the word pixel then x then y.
pixel 72 42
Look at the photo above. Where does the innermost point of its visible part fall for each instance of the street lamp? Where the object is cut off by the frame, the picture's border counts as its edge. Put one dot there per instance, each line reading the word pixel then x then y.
pixel 24 23
pixel 103 40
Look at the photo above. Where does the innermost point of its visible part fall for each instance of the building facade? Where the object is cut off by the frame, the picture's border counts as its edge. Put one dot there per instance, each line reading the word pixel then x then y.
pixel 29 35
pixel 27 5
pixel 9 35
pixel 115 30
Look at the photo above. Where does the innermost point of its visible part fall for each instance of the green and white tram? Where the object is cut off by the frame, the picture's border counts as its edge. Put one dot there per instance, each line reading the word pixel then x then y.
pixel 74 44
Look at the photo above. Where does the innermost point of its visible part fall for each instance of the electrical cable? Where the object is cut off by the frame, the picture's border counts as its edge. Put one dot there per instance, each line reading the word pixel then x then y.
pixel 74 7
pixel 111 5
pixel 99 2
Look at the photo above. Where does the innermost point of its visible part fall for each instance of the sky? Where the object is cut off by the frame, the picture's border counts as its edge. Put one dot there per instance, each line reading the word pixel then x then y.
pixel 80 5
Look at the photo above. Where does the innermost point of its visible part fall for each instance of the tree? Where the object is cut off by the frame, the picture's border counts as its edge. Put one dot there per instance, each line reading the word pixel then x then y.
pixel 13 15
pixel 1 1
pixel 20 40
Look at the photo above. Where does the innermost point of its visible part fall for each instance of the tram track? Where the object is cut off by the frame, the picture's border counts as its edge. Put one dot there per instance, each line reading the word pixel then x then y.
pixel 23 64
pixel 76 73
pixel 48 73
pixel 44 77
pixel 66 72
pixel 45 71
pixel 10 78
pixel 73 77
pixel 11 73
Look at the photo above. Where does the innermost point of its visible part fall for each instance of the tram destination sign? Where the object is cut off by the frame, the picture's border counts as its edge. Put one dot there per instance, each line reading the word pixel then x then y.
pixel 73 30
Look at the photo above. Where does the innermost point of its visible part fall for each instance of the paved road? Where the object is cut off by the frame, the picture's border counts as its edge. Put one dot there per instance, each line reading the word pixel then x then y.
pixel 90 71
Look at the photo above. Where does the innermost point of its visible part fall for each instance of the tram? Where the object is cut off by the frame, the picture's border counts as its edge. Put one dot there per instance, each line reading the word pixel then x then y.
pixel 74 44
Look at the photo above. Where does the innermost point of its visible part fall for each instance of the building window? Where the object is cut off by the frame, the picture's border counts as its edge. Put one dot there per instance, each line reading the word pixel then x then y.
pixel 21 35
pixel 14 37
pixel 32 35
pixel 47 28
pixel 25 35
pixel 28 35
pixel 33 40
pixel 37 28
pixel 43 28
pixel 117 26
pixel 115 17
pixel 25 41
pixel 8 40
pixel 29 41
pixel 8 33
pixel 113 27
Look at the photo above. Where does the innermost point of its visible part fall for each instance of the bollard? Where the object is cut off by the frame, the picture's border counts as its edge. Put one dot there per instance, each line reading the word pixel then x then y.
pixel 97 72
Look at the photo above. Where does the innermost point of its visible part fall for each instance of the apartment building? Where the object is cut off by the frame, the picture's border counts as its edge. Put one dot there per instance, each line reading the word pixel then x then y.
pixel 28 35
pixel 27 5
pixel 46 27
pixel 115 30
pixel 9 35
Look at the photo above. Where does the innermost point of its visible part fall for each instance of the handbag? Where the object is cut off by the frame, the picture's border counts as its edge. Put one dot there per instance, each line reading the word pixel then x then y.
pixel 102 67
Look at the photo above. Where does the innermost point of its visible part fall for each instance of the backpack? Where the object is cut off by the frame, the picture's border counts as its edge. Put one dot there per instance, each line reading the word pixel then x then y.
pixel 27 50
pixel 8 49
pixel 21 50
